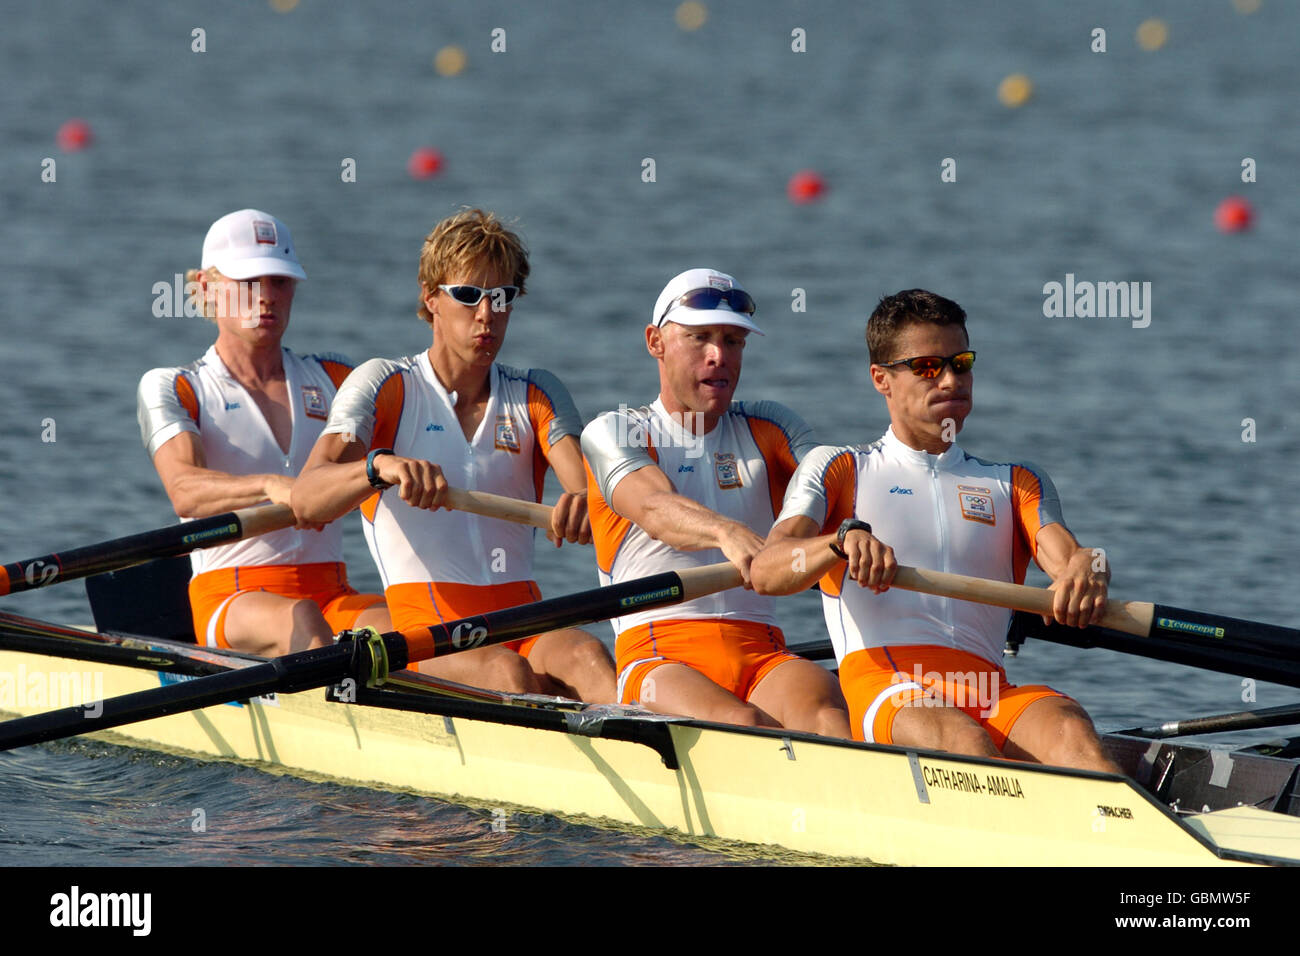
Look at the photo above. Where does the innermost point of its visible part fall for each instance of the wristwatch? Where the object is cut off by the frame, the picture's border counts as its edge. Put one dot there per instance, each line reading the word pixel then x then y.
pixel 847 525
pixel 373 476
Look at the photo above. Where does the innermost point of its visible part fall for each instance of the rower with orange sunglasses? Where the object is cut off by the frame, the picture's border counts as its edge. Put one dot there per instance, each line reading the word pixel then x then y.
pixel 919 670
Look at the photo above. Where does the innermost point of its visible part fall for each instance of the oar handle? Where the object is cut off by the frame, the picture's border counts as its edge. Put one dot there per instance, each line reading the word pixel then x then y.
pixel 259 519
pixel 499 506
pixel 1131 617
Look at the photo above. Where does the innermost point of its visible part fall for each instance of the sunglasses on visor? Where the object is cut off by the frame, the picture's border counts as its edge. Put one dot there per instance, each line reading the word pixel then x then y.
pixel 931 366
pixel 738 300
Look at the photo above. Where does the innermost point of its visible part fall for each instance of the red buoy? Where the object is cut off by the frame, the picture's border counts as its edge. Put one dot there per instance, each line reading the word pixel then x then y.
pixel 424 163
pixel 1234 215
pixel 74 135
pixel 805 186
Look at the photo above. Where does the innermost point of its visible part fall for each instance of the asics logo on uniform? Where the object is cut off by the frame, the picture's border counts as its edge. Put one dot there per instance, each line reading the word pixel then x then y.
pixel 431 427
pixel 231 405
pixel 682 468
pixel 897 490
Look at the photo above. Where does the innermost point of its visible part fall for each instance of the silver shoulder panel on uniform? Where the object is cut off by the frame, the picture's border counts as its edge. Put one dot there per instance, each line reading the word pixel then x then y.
pixel 353 411
pixel 615 444
pixel 158 407
pixel 806 493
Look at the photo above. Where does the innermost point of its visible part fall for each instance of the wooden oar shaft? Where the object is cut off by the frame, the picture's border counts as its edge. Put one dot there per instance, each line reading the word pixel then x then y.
pixel 1131 617
pixel 499 506
pixel 120 553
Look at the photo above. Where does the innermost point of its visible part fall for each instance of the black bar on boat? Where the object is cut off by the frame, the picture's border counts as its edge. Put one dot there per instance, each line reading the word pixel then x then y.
pixel 301 671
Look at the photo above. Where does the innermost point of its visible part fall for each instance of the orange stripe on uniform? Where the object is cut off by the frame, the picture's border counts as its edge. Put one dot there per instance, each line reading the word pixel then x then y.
pixel 774 445
pixel 337 371
pixel 608 527
pixel 541 412
pixel 185 394
pixel 389 403
pixel 840 484
pixel 1026 494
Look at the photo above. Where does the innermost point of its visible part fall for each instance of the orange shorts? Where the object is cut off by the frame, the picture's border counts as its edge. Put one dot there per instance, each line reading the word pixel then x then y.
pixel 880 681
pixel 735 655
pixel 419 605
pixel 326 583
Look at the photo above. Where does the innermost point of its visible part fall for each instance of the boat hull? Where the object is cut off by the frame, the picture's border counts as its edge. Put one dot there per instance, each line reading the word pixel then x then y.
pixel 808 794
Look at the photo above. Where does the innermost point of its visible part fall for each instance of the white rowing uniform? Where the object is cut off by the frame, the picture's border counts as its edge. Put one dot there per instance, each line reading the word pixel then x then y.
pixel 401 404
pixel 738 470
pixel 203 398
pixel 950 512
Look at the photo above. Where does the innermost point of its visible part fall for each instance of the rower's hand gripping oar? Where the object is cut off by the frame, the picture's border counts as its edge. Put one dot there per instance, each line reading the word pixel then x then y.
pixel 367 657
pixel 1226 644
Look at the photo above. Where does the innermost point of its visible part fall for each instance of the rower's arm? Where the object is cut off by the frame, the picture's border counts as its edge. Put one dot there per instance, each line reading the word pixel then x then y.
pixel 647 498
pixel 333 481
pixel 794 557
pixel 196 491
pixel 1080 576
pixel 569 520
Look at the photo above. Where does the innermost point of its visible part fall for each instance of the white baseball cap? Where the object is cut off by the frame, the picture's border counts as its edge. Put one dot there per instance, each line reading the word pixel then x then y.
pixel 251 243
pixel 729 308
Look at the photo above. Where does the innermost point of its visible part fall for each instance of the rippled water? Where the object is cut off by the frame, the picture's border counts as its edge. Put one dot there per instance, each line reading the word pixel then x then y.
pixel 1110 173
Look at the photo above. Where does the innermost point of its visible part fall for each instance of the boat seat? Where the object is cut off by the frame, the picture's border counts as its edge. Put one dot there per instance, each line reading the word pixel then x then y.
pixel 150 599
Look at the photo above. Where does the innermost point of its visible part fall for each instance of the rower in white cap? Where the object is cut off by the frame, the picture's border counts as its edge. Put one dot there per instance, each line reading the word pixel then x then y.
pixel 234 429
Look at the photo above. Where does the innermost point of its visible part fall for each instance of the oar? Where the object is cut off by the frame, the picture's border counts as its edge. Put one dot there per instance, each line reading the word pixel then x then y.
pixel 178 539
pixel 165 542
pixel 1163 632
pixel 367 658
pixel 1283 716
pixel 499 506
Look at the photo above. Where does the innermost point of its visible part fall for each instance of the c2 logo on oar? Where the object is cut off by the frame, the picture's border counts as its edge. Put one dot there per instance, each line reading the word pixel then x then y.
pixel 462 641
pixel 46 572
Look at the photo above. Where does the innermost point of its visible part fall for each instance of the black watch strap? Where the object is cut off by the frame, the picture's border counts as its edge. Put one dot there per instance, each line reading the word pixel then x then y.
pixel 847 525
pixel 373 476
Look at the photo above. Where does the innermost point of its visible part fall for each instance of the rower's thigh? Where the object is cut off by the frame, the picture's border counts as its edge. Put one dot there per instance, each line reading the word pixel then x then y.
pixel 678 689
pixel 922 724
pixel 259 622
pixel 375 616
pixel 803 696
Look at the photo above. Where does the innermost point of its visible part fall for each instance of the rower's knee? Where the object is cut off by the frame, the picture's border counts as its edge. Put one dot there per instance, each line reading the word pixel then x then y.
pixel 1077 745
pixel 511 673
pixel 742 714
pixel 593 658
